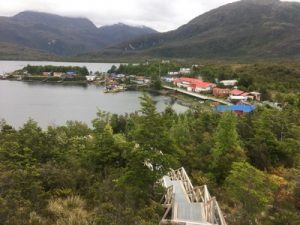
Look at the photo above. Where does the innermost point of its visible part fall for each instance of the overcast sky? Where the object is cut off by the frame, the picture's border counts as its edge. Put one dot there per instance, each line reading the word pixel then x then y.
pixel 162 15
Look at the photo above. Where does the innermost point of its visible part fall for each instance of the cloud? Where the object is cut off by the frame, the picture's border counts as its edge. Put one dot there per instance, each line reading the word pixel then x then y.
pixel 162 15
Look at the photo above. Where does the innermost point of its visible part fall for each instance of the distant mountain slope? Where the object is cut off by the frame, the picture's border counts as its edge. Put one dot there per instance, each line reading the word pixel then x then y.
pixel 62 35
pixel 15 52
pixel 120 32
pixel 248 28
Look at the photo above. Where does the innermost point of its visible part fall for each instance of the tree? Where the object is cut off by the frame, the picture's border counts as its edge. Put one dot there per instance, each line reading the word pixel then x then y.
pixel 252 189
pixel 227 147
pixel 154 153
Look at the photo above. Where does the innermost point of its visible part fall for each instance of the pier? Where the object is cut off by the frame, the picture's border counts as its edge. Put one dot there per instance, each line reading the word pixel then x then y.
pixel 197 95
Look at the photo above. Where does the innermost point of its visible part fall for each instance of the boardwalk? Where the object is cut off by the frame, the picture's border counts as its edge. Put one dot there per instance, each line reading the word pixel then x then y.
pixel 187 205
pixel 204 97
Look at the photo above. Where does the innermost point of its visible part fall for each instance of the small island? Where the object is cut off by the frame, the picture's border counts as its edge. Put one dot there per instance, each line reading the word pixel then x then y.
pixel 50 74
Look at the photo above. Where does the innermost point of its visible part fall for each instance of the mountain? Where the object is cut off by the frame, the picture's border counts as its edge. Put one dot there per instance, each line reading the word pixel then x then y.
pixel 10 51
pixel 247 28
pixel 63 35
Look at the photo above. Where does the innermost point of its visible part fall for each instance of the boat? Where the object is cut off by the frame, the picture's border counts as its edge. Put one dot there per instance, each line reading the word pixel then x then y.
pixel 114 89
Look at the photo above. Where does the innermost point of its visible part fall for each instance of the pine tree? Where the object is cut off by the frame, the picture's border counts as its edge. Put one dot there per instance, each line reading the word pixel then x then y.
pixel 227 147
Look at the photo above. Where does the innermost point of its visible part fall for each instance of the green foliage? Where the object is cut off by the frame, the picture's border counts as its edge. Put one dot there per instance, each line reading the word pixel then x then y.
pixel 107 174
pixel 150 69
pixel 252 188
pixel 38 70
pixel 227 149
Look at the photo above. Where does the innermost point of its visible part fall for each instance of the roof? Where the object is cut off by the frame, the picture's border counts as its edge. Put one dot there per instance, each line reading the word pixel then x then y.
pixel 70 73
pixel 255 93
pixel 245 94
pixel 228 81
pixel 237 97
pixel 241 108
pixel 236 92
pixel 194 82
pixel 222 89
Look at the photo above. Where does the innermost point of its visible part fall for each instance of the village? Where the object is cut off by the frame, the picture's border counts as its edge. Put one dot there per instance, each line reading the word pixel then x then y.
pixel 224 95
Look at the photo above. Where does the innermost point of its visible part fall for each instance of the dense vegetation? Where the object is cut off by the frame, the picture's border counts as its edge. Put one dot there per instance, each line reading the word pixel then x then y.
pixel 276 81
pixel 38 70
pixel 107 174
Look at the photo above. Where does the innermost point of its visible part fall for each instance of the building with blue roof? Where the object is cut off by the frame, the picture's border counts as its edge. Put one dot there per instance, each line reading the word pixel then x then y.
pixel 243 108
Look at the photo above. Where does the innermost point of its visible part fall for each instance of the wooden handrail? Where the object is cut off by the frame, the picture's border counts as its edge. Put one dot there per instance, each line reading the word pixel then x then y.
pixel 212 211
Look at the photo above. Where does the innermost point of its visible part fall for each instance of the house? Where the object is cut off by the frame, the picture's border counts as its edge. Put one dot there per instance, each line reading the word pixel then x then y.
pixel 147 81
pixel 221 92
pixel 120 76
pixel 173 73
pixel 141 80
pixel 237 95
pixel 228 82
pixel 58 74
pixel 47 74
pixel 70 74
pixel 185 71
pixel 168 79
pixel 236 92
pixel 256 95
pixel 90 78
pixel 203 87
pixel 192 84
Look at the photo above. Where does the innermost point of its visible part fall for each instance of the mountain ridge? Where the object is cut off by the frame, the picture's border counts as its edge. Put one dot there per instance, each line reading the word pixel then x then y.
pixel 62 35
pixel 251 28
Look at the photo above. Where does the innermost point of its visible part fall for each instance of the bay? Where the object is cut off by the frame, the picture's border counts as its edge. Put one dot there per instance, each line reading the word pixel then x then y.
pixel 50 104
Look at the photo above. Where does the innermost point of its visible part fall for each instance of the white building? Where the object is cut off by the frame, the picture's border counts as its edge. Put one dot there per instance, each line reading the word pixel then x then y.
pixel 173 73
pixel 90 78
pixel 228 82
pixel 185 71
pixel 121 76
pixel 237 98
pixel 168 79
pixel 58 74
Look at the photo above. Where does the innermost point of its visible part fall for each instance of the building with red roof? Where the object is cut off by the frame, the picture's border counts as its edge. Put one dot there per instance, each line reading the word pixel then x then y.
pixel 195 85
pixel 236 92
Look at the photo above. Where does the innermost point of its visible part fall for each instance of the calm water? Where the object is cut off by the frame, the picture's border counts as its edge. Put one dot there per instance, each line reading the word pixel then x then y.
pixel 55 104
pixel 10 66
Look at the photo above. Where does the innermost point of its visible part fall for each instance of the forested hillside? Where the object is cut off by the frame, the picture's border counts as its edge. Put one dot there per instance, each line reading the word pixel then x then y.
pixel 107 174
pixel 247 29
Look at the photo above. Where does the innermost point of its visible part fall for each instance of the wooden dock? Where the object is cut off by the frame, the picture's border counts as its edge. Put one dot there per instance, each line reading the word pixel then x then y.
pixel 200 96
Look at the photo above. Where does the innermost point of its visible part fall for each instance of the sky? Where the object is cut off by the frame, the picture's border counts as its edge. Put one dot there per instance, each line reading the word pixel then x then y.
pixel 162 15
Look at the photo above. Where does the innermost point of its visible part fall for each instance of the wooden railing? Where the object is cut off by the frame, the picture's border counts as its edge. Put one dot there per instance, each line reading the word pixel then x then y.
pixel 167 202
pixel 212 211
